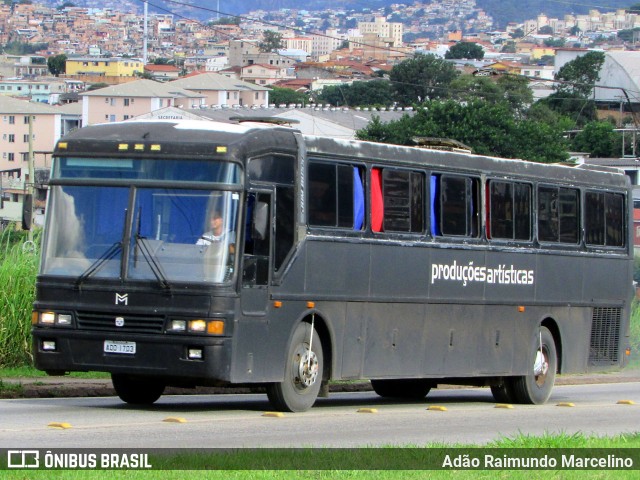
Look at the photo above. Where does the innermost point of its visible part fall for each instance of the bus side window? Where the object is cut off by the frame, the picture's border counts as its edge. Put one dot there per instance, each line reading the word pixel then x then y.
pixel 336 195
pixel 257 238
pixel 458 212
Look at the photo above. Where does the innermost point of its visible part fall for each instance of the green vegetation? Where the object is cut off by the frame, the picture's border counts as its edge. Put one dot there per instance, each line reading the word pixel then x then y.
pixel 634 362
pixel 18 267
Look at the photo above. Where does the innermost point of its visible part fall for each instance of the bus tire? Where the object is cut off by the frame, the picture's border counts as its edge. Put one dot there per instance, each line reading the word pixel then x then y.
pixel 137 390
pixel 409 388
pixel 302 374
pixel 503 393
pixel 535 387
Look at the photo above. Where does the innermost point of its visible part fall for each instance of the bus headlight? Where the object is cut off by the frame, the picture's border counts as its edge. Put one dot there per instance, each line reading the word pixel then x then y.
pixel 52 319
pixel 197 326
pixel 178 326
pixel 47 318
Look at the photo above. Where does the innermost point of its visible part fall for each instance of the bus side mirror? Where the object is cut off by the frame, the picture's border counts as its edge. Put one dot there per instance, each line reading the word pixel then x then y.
pixel 260 220
pixel 27 211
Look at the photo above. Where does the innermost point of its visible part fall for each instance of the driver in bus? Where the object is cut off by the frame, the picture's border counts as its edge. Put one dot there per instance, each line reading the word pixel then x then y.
pixel 217 235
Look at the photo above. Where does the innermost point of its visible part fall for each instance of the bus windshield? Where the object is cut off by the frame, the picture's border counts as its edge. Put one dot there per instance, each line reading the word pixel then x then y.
pixel 158 234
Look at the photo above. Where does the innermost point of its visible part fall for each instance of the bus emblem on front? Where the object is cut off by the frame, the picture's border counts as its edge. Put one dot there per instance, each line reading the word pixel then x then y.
pixel 119 322
pixel 122 299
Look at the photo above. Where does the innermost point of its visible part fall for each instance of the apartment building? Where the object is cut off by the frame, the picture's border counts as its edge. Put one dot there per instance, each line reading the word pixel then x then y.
pixel 381 28
pixel 128 100
pixel 220 90
pixel 104 67
pixel 14 148
pixel 265 74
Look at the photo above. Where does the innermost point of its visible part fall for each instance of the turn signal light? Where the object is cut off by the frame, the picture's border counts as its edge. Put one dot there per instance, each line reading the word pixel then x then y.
pixel 215 327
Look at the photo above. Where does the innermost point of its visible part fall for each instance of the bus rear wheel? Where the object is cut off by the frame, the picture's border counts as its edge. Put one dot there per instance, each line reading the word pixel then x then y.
pixel 303 372
pixel 137 390
pixel 414 389
pixel 535 387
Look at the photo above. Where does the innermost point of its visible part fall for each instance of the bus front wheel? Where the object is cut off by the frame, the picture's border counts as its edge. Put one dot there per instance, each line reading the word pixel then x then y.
pixel 303 372
pixel 535 387
pixel 137 390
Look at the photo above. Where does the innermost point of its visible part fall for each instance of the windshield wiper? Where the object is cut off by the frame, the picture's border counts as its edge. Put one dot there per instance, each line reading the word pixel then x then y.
pixel 154 265
pixel 110 253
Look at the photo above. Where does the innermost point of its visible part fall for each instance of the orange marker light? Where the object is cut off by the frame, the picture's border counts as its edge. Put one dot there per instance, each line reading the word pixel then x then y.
pixel 215 327
pixel 277 304
pixel 311 304
pixel 521 309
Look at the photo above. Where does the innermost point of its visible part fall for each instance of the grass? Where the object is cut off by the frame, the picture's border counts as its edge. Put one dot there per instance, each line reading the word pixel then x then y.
pixel 18 269
pixel 634 361
pixel 31 372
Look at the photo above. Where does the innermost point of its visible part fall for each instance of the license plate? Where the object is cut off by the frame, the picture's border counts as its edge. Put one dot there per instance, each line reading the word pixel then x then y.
pixel 111 346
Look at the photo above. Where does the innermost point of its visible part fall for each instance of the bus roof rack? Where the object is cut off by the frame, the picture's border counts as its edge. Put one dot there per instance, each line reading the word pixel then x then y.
pixel 437 143
pixel 270 120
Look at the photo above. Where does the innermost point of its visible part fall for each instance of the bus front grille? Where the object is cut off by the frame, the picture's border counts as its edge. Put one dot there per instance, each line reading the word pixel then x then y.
pixel 605 334
pixel 120 323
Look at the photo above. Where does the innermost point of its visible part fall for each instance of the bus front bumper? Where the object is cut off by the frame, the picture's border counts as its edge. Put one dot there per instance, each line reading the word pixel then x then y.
pixel 189 360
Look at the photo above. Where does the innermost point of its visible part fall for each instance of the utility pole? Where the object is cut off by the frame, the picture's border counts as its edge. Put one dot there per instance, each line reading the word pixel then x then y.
pixel 32 178
pixel 144 44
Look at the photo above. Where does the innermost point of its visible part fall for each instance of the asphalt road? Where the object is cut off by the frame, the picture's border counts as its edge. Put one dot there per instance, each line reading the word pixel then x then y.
pixel 215 421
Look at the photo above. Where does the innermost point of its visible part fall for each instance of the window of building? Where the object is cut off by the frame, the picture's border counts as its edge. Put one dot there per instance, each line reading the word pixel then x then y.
pixel 509 210
pixel 558 214
pixel 126 102
pixel 12 138
pixel 11 157
pixel 604 214
pixel 12 120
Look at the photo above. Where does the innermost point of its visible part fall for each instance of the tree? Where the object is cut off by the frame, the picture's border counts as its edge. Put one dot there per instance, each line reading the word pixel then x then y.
pixel 470 87
pixel 546 30
pixel 517 33
pixel 516 92
pixel 271 41
pixel 508 47
pixel 579 109
pixel 421 78
pixel 57 64
pixel 489 128
pixel 599 139
pixel 97 86
pixel 555 42
pixel 279 96
pixel 358 94
pixel 468 50
pixel 579 76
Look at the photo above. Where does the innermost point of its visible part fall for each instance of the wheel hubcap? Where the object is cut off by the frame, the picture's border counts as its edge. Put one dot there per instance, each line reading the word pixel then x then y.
pixel 541 367
pixel 306 371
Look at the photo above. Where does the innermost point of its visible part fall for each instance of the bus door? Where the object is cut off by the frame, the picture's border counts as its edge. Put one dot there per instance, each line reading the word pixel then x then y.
pixel 256 254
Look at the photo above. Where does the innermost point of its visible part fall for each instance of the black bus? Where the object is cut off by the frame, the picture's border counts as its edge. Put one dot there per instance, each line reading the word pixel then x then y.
pixel 332 259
